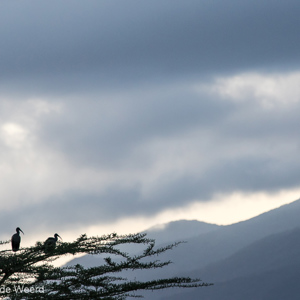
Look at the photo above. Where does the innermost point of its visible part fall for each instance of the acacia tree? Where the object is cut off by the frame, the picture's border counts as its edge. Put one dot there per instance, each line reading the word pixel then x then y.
pixel 30 274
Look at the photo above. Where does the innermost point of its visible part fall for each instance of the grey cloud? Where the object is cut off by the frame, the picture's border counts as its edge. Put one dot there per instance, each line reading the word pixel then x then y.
pixel 76 208
pixel 253 174
pixel 97 133
pixel 89 136
pixel 123 71
pixel 267 162
pixel 98 43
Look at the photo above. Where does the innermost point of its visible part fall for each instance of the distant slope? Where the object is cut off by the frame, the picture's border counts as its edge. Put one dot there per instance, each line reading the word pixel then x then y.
pixel 272 252
pixel 208 242
pixel 212 247
pixel 163 234
pixel 237 249
pixel 267 269
pixel 225 241
pixel 179 230
pixel 279 284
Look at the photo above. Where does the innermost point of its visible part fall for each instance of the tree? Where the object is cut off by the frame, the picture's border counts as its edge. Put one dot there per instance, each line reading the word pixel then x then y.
pixel 30 274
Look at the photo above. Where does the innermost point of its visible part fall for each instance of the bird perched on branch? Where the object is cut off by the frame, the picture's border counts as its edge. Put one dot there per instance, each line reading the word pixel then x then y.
pixel 16 240
pixel 51 242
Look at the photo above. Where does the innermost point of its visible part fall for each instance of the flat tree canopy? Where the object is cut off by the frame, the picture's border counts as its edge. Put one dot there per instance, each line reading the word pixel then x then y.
pixel 30 274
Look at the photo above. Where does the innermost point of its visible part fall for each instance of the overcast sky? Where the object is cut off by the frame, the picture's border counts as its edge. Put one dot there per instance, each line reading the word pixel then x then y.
pixel 120 114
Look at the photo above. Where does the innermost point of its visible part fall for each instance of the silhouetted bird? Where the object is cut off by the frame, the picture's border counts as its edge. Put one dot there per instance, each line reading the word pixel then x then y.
pixel 51 242
pixel 16 240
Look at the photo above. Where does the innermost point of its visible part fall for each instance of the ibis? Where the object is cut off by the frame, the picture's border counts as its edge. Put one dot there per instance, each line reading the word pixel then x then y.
pixel 16 240
pixel 51 242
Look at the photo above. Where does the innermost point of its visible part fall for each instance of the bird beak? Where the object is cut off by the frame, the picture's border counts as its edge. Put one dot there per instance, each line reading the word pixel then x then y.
pixel 21 230
pixel 59 237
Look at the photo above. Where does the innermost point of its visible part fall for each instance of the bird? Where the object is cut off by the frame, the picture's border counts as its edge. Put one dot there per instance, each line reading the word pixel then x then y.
pixel 16 240
pixel 51 242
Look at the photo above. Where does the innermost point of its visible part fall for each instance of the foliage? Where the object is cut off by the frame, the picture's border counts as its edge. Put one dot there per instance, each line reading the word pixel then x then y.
pixel 30 274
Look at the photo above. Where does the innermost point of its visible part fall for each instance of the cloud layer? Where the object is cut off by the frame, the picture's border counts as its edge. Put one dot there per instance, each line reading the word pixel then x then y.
pixel 112 110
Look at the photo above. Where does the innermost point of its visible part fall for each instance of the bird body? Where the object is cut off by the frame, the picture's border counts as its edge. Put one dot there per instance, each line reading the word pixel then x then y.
pixel 51 242
pixel 16 240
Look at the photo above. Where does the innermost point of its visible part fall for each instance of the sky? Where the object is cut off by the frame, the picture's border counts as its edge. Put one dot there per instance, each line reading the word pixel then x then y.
pixel 119 115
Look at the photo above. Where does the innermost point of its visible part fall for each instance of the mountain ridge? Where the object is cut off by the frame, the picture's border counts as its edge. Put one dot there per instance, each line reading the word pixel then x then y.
pixel 215 248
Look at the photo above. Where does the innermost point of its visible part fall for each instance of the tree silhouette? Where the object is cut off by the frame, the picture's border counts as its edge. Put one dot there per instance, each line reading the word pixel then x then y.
pixel 30 274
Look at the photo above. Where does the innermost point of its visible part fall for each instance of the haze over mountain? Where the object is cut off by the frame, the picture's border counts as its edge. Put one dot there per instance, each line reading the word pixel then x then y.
pixel 179 230
pixel 253 256
pixel 266 269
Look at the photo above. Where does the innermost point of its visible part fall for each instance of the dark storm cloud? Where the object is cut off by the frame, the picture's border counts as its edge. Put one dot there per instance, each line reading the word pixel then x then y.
pixel 102 43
